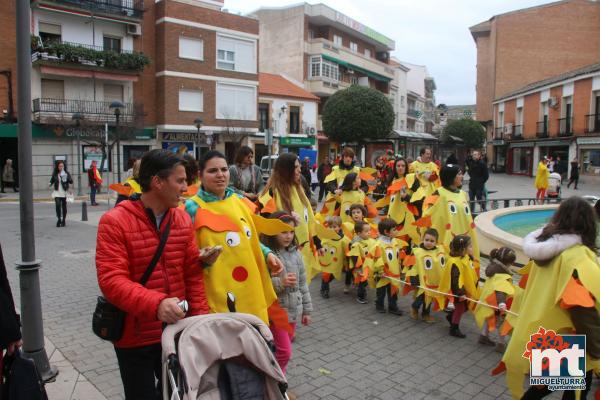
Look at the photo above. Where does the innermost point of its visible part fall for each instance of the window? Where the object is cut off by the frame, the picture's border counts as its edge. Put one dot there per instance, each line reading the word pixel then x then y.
pixel 191 48
pixel 191 100
pixel 236 54
pixel 236 102
pixel 294 119
pixel 112 44
pixel 501 119
pixel 337 40
pixel 520 116
pixel 53 89
pixel 113 92
pixel 353 47
pixel 311 34
pixel 401 101
pixel 49 33
pixel 354 80
pixel 324 68
pixel 263 116
pixel 367 53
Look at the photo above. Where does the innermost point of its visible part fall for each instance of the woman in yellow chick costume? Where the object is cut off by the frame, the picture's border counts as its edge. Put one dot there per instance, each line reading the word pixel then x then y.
pixel 225 223
pixel 541 180
pixel 350 193
pixel 562 293
pixel 427 172
pixel 283 192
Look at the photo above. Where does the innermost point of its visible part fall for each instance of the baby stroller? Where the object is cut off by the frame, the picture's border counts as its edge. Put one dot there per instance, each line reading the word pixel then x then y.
pixel 220 357
pixel 554 181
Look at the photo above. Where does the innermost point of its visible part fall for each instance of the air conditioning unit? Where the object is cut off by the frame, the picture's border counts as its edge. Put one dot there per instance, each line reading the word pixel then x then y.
pixel 134 29
pixel 553 102
pixel 508 129
pixel 350 71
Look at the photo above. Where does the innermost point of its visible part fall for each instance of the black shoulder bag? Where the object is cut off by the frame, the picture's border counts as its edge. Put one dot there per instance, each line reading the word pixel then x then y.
pixel 108 321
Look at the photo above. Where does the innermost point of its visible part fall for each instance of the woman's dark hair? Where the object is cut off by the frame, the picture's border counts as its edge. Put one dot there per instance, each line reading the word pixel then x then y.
pixel 448 173
pixel 459 245
pixel 55 172
pixel 158 163
pixel 242 153
pixel 191 169
pixel 360 207
pixel 271 240
pixel 386 224
pixel 209 156
pixel 575 215
pixel 505 255
pixel 597 208
pixel 348 183
pixel 359 226
pixel 282 180
pixel 432 232
pixel 394 174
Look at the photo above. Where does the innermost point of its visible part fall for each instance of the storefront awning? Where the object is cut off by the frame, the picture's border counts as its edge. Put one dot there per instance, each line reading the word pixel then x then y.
pixel 521 144
pixel 68 131
pixel 416 136
pixel 368 73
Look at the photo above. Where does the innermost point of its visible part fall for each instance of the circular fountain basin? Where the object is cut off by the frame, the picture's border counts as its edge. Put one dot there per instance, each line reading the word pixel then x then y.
pixel 508 226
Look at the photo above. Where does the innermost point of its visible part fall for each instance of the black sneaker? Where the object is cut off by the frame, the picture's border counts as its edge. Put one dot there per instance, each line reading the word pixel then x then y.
pixel 380 309
pixel 361 300
pixel 58 223
pixel 395 311
pixel 325 294
pixel 455 331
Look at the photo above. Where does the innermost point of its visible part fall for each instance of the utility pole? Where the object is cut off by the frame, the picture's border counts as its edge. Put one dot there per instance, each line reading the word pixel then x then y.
pixel 29 266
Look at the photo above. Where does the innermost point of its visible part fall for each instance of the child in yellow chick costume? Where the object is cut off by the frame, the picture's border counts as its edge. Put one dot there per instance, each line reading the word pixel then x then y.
pixel 350 193
pixel 333 260
pixel 360 262
pixel 427 172
pixel 562 292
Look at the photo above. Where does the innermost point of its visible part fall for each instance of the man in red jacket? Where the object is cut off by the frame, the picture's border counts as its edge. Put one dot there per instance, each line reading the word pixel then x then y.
pixel 128 237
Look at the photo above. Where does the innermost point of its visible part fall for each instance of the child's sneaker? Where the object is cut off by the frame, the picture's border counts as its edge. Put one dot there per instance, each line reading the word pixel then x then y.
pixel 486 341
pixel 361 300
pixel 500 347
pixel 429 319
pixel 346 289
pixel 379 308
pixel 414 314
pixel 449 307
pixel 395 311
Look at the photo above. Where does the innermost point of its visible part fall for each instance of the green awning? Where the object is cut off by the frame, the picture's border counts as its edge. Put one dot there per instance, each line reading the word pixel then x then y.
pixel 368 73
pixel 53 132
pixel 8 130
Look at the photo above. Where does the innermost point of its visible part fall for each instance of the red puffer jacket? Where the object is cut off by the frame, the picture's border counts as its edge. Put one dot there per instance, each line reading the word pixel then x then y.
pixel 127 240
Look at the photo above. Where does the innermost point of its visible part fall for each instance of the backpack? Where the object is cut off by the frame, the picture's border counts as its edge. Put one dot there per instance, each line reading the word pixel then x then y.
pixel 20 379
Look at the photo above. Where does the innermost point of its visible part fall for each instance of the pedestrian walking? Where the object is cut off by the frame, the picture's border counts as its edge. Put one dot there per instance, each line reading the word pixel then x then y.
pixel 177 275
pixel 478 176
pixel 61 181
pixel 322 172
pixel 541 179
pixel 305 170
pixel 314 178
pixel 8 176
pixel 574 173
pixel 94 182
pixel 244 175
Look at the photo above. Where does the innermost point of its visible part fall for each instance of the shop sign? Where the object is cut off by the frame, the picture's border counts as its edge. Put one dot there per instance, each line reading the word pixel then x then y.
pixel 521 144
pixel 179 136
pixel 498 142
pixel 365 30
pixel 297 141
pixel 594 140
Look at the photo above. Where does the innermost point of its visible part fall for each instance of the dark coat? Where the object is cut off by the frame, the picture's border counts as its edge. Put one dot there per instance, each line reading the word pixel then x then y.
pixel 478 174
pixel 55 180
pixel 10 327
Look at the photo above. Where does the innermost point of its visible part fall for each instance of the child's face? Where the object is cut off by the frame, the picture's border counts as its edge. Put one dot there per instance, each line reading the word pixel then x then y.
pixel 356 183
pixel 335 227
pixel 429 242
pixel 285 239
pixel 365 233
pixel 470 250
pixel 356 215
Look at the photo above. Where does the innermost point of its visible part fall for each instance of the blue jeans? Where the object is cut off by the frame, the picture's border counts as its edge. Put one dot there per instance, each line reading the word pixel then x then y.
pixel 93 190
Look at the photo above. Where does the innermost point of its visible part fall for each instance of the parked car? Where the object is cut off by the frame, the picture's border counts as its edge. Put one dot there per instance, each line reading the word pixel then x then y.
pixel 264 166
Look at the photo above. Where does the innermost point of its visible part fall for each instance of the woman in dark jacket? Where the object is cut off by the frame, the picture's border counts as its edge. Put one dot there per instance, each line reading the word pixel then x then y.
pixel 10 328
pixel 60 181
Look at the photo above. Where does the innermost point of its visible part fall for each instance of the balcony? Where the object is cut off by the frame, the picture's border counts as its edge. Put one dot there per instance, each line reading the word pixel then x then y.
pixel 323 86
pixel 565 127
pixel 129 9
pixel 61 111
pixel 372 68
pixel 499 133
pixel 542 129
pixel 517 132
pixel 414 113
pixel 592 123
pixel 87 55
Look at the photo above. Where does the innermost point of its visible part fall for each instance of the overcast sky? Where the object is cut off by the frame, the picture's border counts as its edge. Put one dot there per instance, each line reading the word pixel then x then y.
pixel 430 32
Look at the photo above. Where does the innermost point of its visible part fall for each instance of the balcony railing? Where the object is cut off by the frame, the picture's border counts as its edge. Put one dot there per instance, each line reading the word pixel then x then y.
pixel 592 123
pixel 127 8
pixel 84 54
pixel 565 126
pixel 517 132
pixel 414 113
pixel 499 133
pixel 542 129
pixel 97 111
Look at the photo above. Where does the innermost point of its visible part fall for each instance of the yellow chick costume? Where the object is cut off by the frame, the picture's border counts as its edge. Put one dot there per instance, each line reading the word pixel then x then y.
pixel 429 265
pixel 428 175
pixel 386 262
pixel 467 278
pixel 127 188
pixel 550 290
pixel 400 210
pixel 361 267
pixel 541 178
pixel 333 261
pixel 500 282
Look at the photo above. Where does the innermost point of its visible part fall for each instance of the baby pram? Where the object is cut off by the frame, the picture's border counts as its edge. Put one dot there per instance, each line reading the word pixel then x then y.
pixel 554 181
pixel 220 357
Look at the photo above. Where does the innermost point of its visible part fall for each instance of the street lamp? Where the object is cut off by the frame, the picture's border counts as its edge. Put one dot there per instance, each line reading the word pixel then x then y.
pixel 116 106
pixel 198 122
pixel 78 117
pixel 210 140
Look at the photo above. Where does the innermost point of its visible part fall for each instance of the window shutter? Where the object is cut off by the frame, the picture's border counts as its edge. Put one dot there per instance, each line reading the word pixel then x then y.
pixel 53 89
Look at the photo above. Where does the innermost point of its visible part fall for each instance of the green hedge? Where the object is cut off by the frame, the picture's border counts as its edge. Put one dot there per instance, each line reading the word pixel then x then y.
pixel 71 53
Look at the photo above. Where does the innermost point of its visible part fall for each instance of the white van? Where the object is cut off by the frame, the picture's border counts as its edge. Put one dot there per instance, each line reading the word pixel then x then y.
pixel 264 166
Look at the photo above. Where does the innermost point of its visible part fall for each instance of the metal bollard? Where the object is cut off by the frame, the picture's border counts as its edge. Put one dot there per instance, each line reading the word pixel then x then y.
pixel 84 211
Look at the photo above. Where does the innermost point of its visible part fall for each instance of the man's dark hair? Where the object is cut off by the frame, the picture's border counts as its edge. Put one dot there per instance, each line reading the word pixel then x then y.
pixel 386 224
pixel 423 150
pixel 158 163
pixel 191 169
